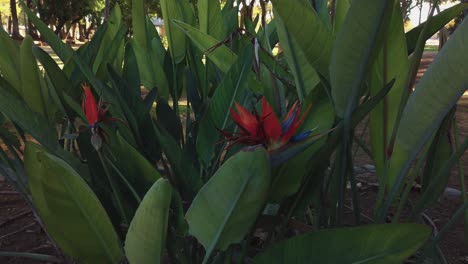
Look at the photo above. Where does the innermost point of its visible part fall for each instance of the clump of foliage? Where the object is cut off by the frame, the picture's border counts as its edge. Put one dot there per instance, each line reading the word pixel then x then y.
pixel 112 177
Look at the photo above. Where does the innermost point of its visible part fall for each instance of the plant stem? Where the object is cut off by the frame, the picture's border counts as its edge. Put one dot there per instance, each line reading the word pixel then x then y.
pixel 114 188
pixel 462 178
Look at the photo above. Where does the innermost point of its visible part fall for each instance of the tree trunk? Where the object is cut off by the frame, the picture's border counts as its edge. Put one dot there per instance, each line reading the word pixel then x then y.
pixel 106 10
pixel 82 31
pixel 31 28
pixel 91 27
pixel 15 30
pixel 9 25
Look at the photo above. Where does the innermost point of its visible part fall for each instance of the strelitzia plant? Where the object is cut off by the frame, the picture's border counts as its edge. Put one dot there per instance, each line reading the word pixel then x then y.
pixel 183 197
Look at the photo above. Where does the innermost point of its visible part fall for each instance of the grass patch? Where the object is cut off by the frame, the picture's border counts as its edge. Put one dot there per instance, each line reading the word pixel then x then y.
pixel 431 48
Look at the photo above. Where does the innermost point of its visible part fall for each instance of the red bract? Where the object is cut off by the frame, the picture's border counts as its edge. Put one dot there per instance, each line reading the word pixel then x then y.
pixel 266 128
pixel 94 112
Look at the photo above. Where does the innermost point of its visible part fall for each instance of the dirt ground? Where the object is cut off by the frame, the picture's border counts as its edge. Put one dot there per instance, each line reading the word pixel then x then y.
pixel 20 232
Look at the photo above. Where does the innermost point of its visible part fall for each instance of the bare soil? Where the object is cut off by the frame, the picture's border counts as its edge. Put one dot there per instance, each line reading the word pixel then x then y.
pixel 20 231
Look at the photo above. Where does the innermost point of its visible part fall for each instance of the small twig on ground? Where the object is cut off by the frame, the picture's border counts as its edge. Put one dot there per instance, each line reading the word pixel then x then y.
pixel 18 230
pixel 14 218
pixel 9 193
pixel 363 215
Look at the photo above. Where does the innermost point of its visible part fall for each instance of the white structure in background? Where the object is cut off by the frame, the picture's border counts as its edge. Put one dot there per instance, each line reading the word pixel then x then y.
pixel 159 24
pixel 415 14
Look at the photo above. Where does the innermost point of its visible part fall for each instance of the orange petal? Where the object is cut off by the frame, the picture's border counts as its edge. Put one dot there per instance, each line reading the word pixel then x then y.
pixel 271 124
pixel 245 120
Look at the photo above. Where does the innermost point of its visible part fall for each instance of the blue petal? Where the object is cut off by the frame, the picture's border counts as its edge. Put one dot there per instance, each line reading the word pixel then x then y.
pixel 288 122
pixel 301 136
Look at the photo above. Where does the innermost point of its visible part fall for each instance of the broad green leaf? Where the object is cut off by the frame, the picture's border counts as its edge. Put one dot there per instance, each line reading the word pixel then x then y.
pixel 311 34
pixel 58 80
pixel 435 23
pixel 429 104
pixel 31 122
pixel 230 18
pixel 218 53
pixel 114 25
pixel 173 10
pixel 341 9
pixel 353 50
pixel 156 42
pixel 217 116
pixel 168 118
pixel 131 71
pixel 209 14
pixel 150 69
pixel 9 62
pixel 304 74
pixel 138 171
pixel 382 244
pixel 227 206
pixel 186 176
pixel 146 236
pixel 321 7
pixel 438 154
pixel 289 177
pixel 72 214
pixel 392 63
pixel 31 86
pixel 63 51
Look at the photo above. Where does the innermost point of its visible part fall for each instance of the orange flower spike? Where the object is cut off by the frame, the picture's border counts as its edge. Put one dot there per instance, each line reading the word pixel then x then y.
pixel 89 106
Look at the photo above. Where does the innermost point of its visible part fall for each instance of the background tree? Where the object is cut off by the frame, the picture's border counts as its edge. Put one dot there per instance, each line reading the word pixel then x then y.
pixel 14 20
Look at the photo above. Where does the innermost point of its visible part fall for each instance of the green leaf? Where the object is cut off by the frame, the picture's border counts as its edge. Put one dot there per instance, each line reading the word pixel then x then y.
pixel 168 118
pixel 218 53
pixel 289 176
pixel 72 214
pixel 209 14
pixel 341 9
pixel 321 7
pixel 429 104
pixel 9 63
pixel 311 34
pixel 31 122
pixel 353 50
pixel 392 63
pixel 63 51
pixel 58 79
pixel 173 10
pixel 186 176
pixel 390 243
pixel 304 74
pixel 105 49
pixel 435 23
pixel 138 170
pixel 438 154
pixel 150 69
pixel 31 86
pixel 146 236
pixel 231 89
pixel 227 206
